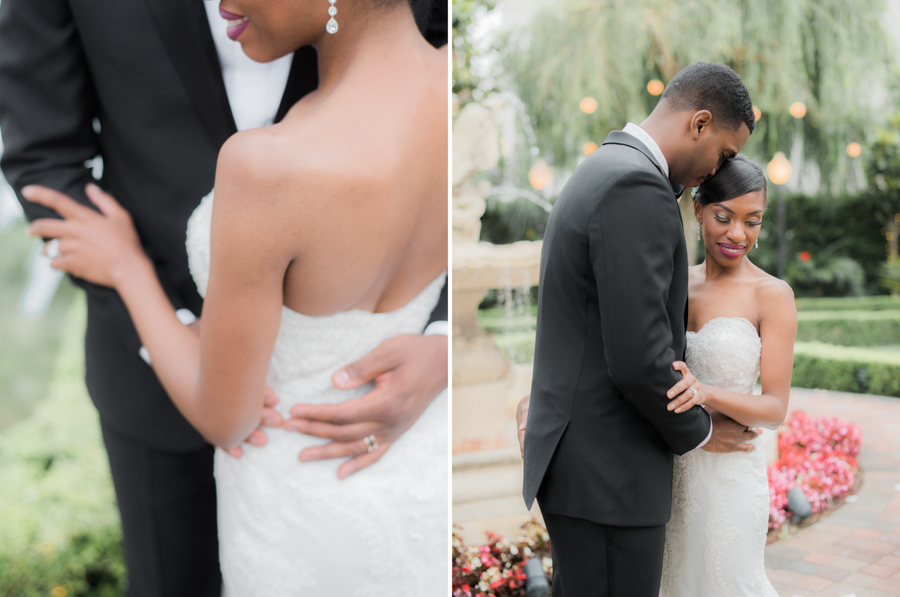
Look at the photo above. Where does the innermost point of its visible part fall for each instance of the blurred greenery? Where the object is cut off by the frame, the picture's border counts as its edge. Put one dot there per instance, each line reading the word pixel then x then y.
pixel 840 237
pixel 824 53
pixel 849 328
pixel 29 347
pixel 465 82
pixel 846 369
pixel 59 526
pixel 867 303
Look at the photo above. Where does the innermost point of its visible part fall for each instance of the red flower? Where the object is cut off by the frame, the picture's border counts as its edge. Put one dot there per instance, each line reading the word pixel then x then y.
pixel 805 256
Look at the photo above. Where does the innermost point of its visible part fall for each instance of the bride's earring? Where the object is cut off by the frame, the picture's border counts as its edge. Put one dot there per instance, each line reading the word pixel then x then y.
pixel 698 230
pixel 757 242
pixel 331 26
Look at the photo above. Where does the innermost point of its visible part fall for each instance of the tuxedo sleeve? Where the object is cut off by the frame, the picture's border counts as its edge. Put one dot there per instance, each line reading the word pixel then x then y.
pixel 47 112
pixel 440 311
pixel 634 233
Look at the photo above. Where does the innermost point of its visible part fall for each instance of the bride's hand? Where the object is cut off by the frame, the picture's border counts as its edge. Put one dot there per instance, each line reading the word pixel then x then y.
pixel 97 247
pixel 268 418
pixel 686 393
pixel 409 372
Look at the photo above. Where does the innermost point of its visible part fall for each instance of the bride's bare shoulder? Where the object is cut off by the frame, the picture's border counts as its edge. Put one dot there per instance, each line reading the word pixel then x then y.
pixel 774 295
pixel 274 165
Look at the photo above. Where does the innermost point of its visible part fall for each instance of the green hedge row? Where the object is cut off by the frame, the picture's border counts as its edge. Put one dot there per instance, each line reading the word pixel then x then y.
pixel 856 303
pixel 846 369
pixel 849 328
pixel 59 525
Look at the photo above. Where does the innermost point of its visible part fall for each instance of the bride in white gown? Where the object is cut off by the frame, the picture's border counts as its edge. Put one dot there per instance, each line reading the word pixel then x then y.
pixel 328 236
pixel 744 322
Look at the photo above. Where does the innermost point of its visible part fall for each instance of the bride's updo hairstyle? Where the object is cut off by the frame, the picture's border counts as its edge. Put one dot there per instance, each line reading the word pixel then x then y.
pixel 735 177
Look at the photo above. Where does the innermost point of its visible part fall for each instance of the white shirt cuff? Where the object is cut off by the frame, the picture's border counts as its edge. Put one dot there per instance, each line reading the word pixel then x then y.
pixel 185 316
pixel 708 435
pixel 437 328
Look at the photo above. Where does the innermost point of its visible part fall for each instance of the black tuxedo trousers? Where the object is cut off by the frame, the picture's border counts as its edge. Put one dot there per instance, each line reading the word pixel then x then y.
pixel 138 83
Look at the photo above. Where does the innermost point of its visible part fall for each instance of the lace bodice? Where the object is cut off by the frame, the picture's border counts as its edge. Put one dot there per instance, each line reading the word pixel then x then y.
pixel 288 528
pixel 725 354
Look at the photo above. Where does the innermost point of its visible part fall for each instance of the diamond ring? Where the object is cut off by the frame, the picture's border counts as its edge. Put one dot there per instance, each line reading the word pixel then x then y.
pixel 370 442
pixel 51 248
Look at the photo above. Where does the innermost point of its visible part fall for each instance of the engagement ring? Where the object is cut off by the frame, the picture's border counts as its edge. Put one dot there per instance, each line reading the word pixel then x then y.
pixel 370 442
pixel 51 248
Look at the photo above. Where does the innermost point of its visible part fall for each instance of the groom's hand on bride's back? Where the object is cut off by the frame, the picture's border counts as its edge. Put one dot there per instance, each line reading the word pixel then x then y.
pixel 728 435
pixel 409 371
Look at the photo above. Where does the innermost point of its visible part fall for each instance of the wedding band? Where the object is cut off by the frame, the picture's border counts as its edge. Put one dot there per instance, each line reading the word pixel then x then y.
pixel 370 442
pixel 51 248
pixel 694 391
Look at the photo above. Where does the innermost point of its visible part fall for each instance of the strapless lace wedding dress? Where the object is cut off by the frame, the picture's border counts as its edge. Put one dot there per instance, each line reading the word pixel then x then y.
pixel 288 528
pixel 716 538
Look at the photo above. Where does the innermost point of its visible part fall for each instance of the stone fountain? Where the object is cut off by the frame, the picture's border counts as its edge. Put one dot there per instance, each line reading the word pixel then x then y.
pixel 487 467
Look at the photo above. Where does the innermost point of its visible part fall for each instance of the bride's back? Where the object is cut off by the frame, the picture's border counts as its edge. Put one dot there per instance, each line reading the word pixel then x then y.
pixel 350 190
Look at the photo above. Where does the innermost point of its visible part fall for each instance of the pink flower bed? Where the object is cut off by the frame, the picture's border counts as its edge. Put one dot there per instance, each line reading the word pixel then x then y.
pixel 819 455
pixel 495 569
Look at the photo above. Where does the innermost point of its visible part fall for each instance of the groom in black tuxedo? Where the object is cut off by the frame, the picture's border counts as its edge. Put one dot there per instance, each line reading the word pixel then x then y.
pixel 139 83
pixel 612 310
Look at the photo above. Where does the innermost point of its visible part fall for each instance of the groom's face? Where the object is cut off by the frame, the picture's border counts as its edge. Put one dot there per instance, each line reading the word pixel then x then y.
pixel 709 145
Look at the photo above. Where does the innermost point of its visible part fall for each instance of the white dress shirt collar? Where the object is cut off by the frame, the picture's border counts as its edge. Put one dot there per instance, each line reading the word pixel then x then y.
pixel 645 138
pixel 254 89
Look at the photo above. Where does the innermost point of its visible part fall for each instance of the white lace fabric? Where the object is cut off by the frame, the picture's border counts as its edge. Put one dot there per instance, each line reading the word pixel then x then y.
pixel 716 537
pixel 288 528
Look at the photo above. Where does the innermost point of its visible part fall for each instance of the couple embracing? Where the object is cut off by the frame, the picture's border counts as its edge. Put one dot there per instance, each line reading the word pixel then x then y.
pixel 325 246
pixel 641 443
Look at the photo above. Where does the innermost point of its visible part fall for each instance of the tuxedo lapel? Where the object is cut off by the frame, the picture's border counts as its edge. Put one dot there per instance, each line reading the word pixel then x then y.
pixel 184 29
pixel 303 78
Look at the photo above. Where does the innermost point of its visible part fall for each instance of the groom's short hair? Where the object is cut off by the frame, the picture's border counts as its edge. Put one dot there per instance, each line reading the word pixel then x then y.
pixel 714 87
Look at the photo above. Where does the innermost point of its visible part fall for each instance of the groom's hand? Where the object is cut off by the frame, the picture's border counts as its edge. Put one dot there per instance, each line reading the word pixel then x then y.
pixel 522 420
pixel 268 418
pixel 408 371
pixel 728 435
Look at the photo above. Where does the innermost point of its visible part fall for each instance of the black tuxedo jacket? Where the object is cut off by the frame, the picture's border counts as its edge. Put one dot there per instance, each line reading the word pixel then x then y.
pixel 611 320
pixel 138 83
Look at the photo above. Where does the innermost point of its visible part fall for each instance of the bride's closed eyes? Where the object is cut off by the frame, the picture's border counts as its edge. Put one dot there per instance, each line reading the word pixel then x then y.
pixel 725 220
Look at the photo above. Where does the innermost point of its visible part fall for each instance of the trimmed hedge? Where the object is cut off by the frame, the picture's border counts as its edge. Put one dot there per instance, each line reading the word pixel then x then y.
pixel 59 525
pixel 849 328
pixel 846 369
pixel 856 303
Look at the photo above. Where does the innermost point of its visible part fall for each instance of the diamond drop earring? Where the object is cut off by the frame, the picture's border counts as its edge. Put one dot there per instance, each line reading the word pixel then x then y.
pixel 331 26
pixel 757 242
pixel 698 230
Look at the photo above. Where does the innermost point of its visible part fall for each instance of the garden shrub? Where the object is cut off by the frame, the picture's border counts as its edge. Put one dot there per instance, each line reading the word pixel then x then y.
pixel 59 525
pixel 849 328
pixel 855 303
pixel 846 369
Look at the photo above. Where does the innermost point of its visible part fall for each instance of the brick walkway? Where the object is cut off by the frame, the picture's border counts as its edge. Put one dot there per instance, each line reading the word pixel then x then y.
pixel 855 552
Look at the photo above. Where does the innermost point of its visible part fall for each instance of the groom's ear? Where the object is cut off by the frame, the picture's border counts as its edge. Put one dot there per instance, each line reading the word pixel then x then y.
pixel 700 123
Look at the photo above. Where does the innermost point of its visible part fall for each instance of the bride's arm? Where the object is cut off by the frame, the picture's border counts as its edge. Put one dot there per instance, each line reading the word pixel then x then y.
pixel 217 380
pixel 778 327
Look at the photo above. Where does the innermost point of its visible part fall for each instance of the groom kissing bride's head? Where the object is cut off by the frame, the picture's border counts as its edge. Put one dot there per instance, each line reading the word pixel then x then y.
pixel 599 434
pixel 704 117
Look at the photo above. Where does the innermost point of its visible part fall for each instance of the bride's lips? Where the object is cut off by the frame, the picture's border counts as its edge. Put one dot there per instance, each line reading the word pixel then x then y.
pixel 236 23
pixel 731 251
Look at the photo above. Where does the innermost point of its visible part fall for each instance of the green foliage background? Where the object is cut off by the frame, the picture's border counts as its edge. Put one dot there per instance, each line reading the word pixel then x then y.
pixel 59 525
pixel 829 54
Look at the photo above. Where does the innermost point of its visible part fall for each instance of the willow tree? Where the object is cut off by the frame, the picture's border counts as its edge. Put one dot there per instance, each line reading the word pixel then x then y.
pixel 832 55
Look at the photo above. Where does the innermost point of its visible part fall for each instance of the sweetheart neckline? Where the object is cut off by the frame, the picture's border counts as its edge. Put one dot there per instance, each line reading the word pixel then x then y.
pixel 744 319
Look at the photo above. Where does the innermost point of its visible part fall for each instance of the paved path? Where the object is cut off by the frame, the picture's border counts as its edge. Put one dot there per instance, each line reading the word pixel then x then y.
pixel 856 550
